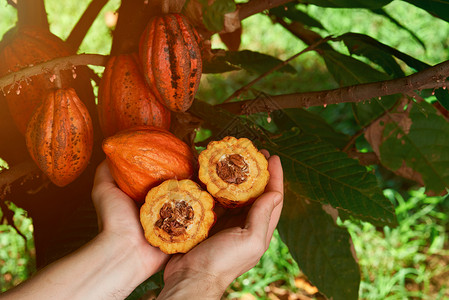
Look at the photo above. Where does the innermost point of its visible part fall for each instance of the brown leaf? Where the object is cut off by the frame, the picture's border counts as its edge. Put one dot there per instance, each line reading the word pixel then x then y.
pixel 231 21
pixel 374 134
pixel 232 39
pixel 184 126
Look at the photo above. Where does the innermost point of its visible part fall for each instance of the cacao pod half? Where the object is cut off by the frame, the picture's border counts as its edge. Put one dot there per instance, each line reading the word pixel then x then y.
pixel 171 60
pixel 20 48
pixel 234 171
pixel 142 157
pixel 59 136
pixel 125 100
pixel 177 215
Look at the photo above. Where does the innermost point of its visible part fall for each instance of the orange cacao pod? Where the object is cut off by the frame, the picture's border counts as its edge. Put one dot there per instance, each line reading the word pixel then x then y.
pixel 142 157
pixel 177 215
pixel 171 60
pixel 22 47
pixel 125 100
pixel 59 136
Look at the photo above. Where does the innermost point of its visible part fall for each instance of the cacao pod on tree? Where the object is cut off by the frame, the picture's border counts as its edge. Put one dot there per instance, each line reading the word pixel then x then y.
pixel 125 100
pixel 21 47
pixel 171 60
pixel 59 136
pixel 142 157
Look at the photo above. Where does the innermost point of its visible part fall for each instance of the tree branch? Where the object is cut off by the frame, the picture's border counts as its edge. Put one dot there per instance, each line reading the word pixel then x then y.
pixel 25 169
pixel 61 63
pixel 433 77
pixel 81 28
pixel 32 13
pixel 256 6
pixel 12 3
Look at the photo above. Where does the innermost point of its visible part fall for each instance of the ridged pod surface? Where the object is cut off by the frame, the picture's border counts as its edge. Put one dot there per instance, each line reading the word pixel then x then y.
pixel 59 136
pixel 177 215
pixel 171 60
pixel 125 100
pixel 142 157
pixel 22 47
pixel 234 171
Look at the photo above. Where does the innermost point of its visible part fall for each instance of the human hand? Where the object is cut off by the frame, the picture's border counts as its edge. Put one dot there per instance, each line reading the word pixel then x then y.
pixel 241 237
pixel 118 219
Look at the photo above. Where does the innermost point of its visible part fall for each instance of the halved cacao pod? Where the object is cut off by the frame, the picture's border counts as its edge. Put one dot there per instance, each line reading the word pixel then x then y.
pixel 142 157
pixel 171 60
pixel 125 100
pixel 59 136
pixel 234 171
pixel 177 215
pixel 20 48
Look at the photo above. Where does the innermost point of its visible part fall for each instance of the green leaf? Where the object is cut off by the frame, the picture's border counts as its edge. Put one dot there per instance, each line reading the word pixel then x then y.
pixel 213 15
pixel 439 8
pixel 155 282
pixel 363 45
pixel 349 71
pixel 291 12
pixel 362 38
pixel 217 63
pixel 310 123
pixel 321 248
pixel 424 148
pixel 317 169
pixel 350 3
pixel 256 62
pixel 383 13
pixel 321 173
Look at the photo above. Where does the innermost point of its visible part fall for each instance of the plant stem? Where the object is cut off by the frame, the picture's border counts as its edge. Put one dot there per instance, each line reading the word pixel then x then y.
pixel 7 177
pixel 84 23
pixel 433 77
pixel 61 63
pixel 32 13
pixel 256 6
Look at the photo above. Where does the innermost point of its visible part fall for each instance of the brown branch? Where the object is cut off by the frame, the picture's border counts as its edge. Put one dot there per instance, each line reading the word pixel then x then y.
pixel 256 6
pixel 12 3
pixel 277 67
pixel 365 159
pixel 25 169
pixel 81 28
pixel 32 13
pixel 61 63
pixel 433 77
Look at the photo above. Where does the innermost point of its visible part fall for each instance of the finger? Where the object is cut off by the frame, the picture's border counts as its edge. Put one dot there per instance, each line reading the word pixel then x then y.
pixel 276 182
pixel 265 153
pixel 103 174
pixel 275 216
pixel 259 216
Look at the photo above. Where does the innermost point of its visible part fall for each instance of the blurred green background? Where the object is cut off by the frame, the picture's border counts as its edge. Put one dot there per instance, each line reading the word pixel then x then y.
pixel 407 262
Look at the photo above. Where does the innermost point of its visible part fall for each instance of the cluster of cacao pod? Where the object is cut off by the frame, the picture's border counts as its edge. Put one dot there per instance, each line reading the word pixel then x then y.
pixel 46 109
pixel 142 89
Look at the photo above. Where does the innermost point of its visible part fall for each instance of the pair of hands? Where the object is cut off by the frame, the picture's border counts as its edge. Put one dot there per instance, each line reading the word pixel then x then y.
pixel 237 241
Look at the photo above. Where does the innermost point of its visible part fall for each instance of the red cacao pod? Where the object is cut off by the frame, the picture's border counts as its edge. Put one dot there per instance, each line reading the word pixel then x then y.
pixel 59 136
pixel 142 157
pixel 171 60
pixel 125 100
pixel 20 48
